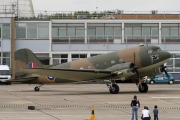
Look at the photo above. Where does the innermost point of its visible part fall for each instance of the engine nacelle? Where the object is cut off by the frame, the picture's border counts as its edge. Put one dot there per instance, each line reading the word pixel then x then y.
pixel 122 70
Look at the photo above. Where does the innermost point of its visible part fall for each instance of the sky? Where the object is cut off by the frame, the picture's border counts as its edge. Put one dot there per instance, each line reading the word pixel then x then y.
pixel 104 5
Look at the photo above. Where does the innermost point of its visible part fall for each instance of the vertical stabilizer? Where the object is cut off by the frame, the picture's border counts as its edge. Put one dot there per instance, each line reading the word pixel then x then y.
pixel 25 58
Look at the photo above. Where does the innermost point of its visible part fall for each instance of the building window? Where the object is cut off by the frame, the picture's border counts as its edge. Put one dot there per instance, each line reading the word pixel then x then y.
pixel 6 30
pixel 43 30
pixel 59 58
pixel 78 56
pixel 32 30
pixel 20 32
pixel 6 59
pixel 141 32
pixel 68 32
pixel 104 32
pixel 0 30
pixel 31 33
pixel 170 32
pixel 174 63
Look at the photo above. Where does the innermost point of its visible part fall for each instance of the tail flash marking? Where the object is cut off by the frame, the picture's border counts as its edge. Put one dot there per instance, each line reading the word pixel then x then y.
pixel 33 65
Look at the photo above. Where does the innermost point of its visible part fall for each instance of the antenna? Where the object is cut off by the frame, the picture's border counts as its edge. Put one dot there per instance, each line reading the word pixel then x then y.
pixel 96 9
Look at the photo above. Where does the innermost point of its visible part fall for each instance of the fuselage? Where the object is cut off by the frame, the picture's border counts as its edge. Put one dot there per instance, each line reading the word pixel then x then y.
pixel 141 56
pixel 147 59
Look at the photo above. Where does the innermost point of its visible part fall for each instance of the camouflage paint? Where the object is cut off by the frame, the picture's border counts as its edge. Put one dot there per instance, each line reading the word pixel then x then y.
pixel 138 55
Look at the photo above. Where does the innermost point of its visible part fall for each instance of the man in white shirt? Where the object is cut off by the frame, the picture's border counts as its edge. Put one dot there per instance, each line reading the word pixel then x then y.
pixel 145 113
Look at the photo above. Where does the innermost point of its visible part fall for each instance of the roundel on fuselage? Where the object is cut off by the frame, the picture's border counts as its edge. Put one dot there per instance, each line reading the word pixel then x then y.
pixel 50 78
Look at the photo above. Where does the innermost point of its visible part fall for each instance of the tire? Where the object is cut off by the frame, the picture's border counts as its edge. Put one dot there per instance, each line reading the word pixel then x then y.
pixel 114 89
pixel 151 82
pixel 36 89
pixel 171 82
pixel 143 88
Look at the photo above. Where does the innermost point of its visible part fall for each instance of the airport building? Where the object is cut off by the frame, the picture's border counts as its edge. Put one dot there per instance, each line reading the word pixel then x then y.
pixel 63 37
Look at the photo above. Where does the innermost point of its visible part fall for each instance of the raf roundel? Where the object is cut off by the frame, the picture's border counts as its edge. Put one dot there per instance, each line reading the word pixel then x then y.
pixel 50 78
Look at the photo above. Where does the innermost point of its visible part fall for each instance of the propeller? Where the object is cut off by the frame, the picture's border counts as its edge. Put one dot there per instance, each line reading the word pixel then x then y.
pixel 134 70
pixel 163 69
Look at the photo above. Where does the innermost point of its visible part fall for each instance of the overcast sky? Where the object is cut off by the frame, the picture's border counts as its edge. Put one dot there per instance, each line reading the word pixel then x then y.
pixel 102 5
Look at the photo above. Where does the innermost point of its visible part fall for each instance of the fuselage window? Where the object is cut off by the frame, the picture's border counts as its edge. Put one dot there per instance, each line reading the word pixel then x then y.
pixel 89 67
pixel 150 51
pixel 97 65
pixel 120 60
pixel 81 68
pixel 113 61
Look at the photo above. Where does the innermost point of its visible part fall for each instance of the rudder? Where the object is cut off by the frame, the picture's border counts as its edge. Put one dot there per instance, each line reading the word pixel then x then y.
pixel 25 58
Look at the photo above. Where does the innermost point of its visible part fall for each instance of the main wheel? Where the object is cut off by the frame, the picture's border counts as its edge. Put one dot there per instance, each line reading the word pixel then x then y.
pixel 114 89
pixel 143 88
pixel 36 88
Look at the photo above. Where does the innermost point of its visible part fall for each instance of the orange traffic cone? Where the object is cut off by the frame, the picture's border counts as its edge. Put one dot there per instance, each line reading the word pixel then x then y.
pixel 92 114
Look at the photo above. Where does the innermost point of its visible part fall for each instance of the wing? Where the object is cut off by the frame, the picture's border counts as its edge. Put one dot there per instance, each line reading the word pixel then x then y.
pixel 71 74
pixel 23 79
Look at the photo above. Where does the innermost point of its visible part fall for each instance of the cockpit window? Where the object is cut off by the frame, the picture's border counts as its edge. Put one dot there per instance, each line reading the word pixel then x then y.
pixel 150 51
pixel 154 50
pixel 159 49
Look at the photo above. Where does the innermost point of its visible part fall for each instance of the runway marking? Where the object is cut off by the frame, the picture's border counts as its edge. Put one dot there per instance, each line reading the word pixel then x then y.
pixel 40 107
pixel 167 97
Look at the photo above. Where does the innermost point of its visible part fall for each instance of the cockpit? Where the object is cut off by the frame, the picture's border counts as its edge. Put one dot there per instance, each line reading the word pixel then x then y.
pixel 156 49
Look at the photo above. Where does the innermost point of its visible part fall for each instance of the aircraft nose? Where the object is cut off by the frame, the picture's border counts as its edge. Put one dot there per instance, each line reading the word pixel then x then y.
pixel 166 55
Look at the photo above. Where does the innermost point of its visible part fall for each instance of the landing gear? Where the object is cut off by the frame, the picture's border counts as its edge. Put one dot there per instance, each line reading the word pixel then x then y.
pixel 113 87
pixel 37 88
pixel 143 88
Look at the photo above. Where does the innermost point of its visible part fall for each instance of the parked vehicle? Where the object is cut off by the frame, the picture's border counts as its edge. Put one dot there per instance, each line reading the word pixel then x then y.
pixel 161 78
pixel 5 74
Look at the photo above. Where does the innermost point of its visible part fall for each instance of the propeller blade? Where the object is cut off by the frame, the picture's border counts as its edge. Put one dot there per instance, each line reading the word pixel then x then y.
pixel 163 69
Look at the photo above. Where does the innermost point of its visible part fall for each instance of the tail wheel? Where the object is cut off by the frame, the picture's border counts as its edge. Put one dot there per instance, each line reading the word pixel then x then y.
pixel 114 89
pixel 36 88
pixel 143 88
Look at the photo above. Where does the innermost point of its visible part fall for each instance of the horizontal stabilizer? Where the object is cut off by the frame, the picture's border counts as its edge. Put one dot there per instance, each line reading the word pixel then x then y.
pixel 24 79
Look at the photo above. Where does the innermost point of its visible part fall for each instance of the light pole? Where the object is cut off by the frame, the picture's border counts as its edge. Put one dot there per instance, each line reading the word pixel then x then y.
pixel 96 10
pixel 45 14
pixel 17 8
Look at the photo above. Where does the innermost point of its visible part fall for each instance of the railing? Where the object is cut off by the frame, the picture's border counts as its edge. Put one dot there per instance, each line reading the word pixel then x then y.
pixel 116 40
pixel 118 14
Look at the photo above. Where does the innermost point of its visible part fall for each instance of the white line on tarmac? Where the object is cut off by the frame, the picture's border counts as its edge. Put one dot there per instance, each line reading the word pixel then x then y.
pixel 167 97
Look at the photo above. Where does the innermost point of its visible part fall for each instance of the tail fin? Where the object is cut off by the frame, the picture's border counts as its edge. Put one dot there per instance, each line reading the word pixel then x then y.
pixel 25 58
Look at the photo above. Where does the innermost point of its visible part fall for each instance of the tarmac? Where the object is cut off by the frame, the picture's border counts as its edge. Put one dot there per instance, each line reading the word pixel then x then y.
pixel 74 102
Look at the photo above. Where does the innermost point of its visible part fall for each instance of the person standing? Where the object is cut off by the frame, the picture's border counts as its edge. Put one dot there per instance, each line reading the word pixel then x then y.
pixel 156 111
pixel 135 104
